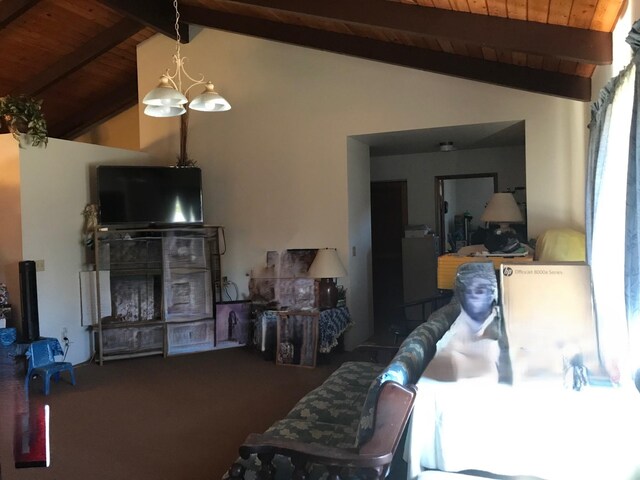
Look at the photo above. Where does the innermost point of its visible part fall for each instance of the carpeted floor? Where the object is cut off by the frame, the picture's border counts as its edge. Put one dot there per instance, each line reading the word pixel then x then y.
pixel 154 418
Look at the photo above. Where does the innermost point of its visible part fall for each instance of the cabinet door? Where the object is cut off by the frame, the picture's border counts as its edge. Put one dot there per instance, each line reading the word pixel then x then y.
pixel 129 266
pixel 190 337
pixel 187 278
pixel 132 340
pixel 135 298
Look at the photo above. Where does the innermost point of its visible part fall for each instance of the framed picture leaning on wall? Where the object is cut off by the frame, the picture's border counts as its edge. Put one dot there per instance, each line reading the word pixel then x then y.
pixel 297 343
pixel 232 324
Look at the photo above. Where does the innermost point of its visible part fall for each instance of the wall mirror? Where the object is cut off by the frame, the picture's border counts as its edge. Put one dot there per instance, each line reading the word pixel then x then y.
pixel 460 201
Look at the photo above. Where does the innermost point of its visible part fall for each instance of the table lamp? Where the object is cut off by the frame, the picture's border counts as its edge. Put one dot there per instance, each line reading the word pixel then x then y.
pixel 327 267
pixel 503 210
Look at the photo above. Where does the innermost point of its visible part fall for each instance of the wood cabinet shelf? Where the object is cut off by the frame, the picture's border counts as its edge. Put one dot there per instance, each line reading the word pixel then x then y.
pixel 128 271
pixel 156 290
pixel 106 324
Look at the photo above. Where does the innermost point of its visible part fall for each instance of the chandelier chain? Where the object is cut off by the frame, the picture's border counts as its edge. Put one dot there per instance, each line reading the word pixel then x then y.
pixel 177 25
pixel 168 99
pixel 176 78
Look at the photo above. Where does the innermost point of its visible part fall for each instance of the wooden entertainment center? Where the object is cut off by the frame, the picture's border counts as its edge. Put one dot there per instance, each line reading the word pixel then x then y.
pixel 156 290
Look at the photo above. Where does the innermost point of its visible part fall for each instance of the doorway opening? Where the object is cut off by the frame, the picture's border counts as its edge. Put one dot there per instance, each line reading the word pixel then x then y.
pixel 415 158
pixel 389 216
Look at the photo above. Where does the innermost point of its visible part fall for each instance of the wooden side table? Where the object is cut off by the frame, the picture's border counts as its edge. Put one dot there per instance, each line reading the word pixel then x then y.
pixel 448 266
pixel 297 338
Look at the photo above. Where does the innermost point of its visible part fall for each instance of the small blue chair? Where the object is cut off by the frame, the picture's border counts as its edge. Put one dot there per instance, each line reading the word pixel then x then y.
pixel 41 356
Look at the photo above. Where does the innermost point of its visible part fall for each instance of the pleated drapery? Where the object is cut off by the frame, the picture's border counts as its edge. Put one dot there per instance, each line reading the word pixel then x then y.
pixel 613 216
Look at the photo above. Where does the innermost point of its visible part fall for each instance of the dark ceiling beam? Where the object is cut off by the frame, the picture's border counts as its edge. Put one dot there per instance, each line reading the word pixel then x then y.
pixel 101 110
pixel 567 43
pixel 523 78
pixel 12 9
pixel 156 14
pixel 95 47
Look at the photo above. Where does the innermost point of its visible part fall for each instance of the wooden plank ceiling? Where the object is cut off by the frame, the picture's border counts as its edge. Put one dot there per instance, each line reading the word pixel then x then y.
pixel 79 56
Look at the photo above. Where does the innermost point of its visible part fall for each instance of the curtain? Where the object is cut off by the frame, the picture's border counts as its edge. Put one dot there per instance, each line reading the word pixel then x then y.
pixel 632 231
pixel 611 209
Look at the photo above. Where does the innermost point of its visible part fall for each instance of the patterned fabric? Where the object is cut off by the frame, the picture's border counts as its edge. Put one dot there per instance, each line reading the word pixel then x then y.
pixel 284 469
pixel 470 271
pixel 321 433
pixel 412 358
pixel 333 402
pixel 333 322
pixel 54 345
pixel 7 336
pixel 355 374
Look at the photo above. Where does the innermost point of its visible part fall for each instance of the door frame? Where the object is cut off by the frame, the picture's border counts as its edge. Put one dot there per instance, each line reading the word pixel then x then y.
pixel 439 198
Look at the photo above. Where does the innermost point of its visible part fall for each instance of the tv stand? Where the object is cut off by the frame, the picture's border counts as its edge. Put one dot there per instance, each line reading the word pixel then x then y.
pixel 156 290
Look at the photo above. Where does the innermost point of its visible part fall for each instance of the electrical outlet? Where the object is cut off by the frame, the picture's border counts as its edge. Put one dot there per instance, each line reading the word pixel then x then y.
pixel 65 333
pixel 39 265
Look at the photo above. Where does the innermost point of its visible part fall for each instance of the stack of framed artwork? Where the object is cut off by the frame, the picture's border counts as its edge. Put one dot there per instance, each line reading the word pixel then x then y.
pixel 297 338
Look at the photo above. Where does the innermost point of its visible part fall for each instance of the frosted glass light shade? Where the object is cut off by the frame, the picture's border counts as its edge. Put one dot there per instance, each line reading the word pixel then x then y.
pixel 209 101
pixel 327 264
pixel 502 208
pixel 164 111
pixel 164 95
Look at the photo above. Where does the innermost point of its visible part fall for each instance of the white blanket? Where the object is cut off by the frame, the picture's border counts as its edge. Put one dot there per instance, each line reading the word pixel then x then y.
pixel 537 428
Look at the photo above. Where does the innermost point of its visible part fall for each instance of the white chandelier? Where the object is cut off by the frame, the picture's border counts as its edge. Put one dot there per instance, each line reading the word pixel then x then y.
pixel 168 98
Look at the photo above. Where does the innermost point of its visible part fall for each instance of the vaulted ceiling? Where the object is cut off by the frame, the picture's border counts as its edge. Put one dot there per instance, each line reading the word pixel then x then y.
pixel 79 56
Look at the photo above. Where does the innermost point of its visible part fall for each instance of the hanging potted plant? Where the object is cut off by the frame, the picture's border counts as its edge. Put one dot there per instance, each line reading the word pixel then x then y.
pixel 22 115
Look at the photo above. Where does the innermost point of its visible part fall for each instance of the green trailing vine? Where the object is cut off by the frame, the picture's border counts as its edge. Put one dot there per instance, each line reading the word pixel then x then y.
pixel 23 115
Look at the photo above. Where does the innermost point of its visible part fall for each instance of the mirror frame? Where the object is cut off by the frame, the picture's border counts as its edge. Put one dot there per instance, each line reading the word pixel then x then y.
pixel 439 198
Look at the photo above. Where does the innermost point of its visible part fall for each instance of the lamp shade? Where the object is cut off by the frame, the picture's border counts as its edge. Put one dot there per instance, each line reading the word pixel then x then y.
pixel 327 264
pixel 164 95
pixel 502 208
pixel 209 101
pixel 163 111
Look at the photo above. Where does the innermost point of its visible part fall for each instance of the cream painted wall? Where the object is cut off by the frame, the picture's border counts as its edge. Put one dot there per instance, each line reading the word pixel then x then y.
pixel 53 189
pixel 275 166
pixel 121 131
pixel 359 264
pixel 10 218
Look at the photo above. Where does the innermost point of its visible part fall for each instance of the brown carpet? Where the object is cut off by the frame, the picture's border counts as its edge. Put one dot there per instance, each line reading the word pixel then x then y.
pixel 154 418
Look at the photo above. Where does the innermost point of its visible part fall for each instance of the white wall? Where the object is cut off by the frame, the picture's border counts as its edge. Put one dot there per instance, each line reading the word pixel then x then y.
pixel 472 196
pixel 54 187
pixel 275 166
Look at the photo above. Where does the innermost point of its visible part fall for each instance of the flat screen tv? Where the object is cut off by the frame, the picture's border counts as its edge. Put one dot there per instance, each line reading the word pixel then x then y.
pixel 149 195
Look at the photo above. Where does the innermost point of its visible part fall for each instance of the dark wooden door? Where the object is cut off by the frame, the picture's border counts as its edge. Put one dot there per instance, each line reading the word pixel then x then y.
pixel 388 219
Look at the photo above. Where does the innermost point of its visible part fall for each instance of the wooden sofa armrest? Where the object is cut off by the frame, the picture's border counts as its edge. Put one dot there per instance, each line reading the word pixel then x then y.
pixel 393 410
pixel 395 404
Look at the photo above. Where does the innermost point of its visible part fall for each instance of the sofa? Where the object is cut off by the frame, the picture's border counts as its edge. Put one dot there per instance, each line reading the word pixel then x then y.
pixel 351 425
